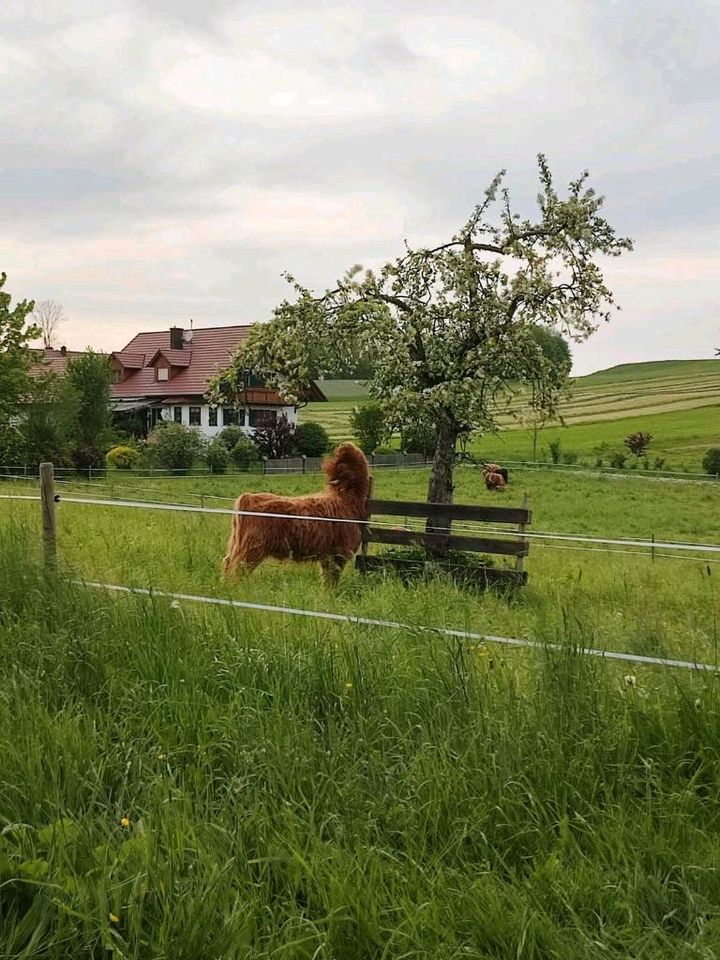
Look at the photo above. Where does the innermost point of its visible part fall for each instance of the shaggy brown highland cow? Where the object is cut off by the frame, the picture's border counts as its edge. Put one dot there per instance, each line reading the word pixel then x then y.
pixel 345 497
pixel 496 477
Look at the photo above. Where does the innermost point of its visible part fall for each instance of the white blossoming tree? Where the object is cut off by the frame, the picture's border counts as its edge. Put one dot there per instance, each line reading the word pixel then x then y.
pixel 450 328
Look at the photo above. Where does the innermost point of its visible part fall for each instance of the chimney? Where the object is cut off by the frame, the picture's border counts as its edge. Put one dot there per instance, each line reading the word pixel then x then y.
pixel 177 341
pixel 63 351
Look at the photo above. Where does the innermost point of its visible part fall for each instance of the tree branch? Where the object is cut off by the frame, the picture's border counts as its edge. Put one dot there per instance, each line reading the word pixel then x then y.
pixel 396 301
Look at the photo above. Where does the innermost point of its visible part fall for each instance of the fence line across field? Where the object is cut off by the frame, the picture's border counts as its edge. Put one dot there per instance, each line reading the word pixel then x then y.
pixel 222 511
pixel 397 625
pixel 458 524
pixel 300 465
pixel 629 553
pixel 615 471
pixel 188 508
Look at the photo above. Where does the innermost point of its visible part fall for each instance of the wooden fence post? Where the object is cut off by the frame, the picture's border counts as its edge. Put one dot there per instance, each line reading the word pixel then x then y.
pixel 521 529
pixel 366 532
pixel 47 504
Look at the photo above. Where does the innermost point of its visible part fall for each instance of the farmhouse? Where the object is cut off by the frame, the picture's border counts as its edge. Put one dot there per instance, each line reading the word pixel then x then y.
pixel 164 376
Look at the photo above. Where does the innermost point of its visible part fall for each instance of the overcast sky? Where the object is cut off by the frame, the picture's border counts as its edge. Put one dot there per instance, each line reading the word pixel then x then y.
pixel 162 160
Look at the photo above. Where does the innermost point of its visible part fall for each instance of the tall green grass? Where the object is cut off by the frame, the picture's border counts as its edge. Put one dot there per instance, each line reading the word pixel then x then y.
pixel 176 782
pixel 626 602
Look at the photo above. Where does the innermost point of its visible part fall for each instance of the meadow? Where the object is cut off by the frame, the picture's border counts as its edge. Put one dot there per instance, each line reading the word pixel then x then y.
pixel 677 401
pixel 177 780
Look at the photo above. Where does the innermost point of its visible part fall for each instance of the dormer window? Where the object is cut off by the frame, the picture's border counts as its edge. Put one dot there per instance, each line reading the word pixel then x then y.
pixel 124 365
pixel 162 373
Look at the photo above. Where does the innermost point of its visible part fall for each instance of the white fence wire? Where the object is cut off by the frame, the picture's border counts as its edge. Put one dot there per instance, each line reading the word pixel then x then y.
pixel 637 658
pixel 546 537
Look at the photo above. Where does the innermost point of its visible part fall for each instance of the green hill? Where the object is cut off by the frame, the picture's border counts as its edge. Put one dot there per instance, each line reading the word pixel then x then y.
pixel 637 395
pixel 653 369
pixel 349 390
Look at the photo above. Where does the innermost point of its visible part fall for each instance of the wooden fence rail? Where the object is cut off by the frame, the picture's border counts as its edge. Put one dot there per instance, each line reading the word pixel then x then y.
pixel 440 543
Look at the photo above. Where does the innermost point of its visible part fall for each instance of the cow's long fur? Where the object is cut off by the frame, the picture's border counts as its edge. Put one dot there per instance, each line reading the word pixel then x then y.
pixel 254 539
pixel 496 477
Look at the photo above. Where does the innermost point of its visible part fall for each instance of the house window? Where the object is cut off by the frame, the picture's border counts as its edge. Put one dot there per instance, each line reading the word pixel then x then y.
pixel 195 416
pixel 262 418
pixel 116 376
pixel 177 414
pixel 162 373
pixel 230 416
pixel 212 417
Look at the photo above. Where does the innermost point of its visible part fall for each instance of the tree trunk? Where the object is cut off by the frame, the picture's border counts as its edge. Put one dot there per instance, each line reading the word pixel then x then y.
pixel 440 487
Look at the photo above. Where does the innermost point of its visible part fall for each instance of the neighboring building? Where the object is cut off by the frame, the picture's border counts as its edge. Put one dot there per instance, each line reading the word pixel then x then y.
pixel 164 376
pixel 48 360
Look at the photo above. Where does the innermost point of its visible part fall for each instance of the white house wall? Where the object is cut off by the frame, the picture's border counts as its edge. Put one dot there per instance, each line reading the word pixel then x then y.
pixel 168 413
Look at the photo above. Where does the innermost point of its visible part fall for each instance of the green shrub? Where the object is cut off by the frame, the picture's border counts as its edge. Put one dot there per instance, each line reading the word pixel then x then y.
pixel 618 460
pixel 122 458
pixel 12 446
pixel 419 438
pixel 217 456
pixel 244 453
pixel 230 436
pixel 659 463
pixel 368 425
pixel 637 443
pixel 46 437
pixel 87 457
pixel 276 440
pixel 711 461
pixel 555 449
pixel 175 447
pixel 570 457
pixel 311 439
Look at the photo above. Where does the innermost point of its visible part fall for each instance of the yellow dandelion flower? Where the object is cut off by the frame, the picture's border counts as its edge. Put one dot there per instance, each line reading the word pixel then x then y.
pixel 114 918
pixel 125 822
pixel 348 685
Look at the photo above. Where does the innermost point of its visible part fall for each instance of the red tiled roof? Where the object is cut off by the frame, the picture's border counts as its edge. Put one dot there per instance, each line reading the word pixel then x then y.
pixel 209 351
pixel 205 354
pixel 131 361
pixel 176 358
pixel 47 360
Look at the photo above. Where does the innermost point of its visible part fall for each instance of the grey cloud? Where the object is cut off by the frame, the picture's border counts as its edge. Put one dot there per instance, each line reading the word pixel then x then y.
pixel 204 15
pixel 673 44
pixel 94 146
pixel 53 186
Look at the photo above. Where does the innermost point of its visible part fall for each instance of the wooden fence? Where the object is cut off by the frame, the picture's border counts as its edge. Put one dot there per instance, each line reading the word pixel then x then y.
pixel 440 542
